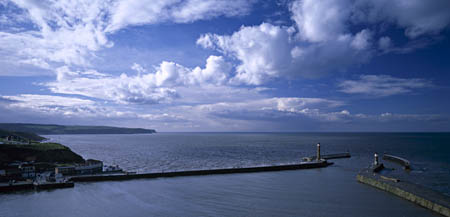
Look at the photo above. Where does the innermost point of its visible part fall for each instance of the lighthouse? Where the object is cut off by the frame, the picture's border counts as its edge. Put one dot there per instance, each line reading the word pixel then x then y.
pixel 318 152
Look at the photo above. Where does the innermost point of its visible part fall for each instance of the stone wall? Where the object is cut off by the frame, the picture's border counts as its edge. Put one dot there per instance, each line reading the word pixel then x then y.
pixel 414 193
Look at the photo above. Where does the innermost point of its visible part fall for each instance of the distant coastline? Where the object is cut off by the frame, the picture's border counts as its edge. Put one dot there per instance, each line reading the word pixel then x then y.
pixel 22 149
pixel 53 129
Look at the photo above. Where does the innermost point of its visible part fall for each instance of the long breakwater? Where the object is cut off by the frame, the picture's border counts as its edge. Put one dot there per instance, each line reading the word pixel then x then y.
pixel 303 165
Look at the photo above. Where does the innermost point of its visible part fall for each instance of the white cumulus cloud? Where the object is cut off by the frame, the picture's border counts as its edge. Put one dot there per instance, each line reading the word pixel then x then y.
pixel 324 39
pixel 320 20
pixel 267 51
pixel 264 51
pixel 145 88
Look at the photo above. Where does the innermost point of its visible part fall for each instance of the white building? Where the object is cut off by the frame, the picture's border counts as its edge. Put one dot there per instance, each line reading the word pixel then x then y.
pixel 28 171
pixel 91 166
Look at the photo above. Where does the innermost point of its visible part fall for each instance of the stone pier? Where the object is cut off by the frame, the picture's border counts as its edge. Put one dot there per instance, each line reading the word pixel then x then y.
pixel 417 194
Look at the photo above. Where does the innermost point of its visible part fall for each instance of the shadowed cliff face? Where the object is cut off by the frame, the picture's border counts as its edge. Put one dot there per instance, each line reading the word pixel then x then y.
pixel 38 152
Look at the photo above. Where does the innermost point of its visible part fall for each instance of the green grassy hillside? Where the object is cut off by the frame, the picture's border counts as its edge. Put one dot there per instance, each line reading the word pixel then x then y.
pixel 38 152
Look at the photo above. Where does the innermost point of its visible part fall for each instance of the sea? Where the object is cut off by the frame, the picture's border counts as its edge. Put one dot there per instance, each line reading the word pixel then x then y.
pixel 330 191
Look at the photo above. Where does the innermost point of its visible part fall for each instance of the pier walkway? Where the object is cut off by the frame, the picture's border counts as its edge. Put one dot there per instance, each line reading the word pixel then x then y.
pixel 409 191
pixel 302 165
pixel 329 156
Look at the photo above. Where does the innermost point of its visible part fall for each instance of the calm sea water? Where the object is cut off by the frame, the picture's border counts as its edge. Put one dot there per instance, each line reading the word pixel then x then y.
pixel 331 191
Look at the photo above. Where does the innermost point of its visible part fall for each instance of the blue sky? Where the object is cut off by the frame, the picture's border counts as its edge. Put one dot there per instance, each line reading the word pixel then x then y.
pixel 216 65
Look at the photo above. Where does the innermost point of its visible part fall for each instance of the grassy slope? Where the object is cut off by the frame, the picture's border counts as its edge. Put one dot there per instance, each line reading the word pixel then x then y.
pixel 34 151
pixel 47 129
pixel 38 152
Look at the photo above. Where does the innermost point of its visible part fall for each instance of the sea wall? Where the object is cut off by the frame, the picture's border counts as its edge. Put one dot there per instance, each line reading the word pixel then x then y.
pixel 4 187
pixel 405 163
pixel 306 165
pixel 328 156
pixel 417 194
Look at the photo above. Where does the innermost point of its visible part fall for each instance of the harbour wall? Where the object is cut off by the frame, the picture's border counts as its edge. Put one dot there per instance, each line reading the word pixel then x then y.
pixel 5 188
pixel 405 163
pixel 304 165
pixel 417 194
pixel 328 156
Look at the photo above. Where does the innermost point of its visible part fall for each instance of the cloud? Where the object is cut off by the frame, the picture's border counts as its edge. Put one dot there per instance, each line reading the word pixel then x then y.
pixel 47 33
pixel 36 62
pixel 289 104
pixel 389 117
pixel 415 16
pixel 384 43
pixel 264 51
pixel 319 21
pixel 325 38
pixel 162 117
pixel 310 114
pixel 11 15
pixel 144 88
pixel 216 71
pixel 382 85
pixel 319 59
pixel 138 68
pixel 362 40
pixel 52 107
pixel 267 51
pixel 137 12
pixel 64 31
pixel 273 108
pixel 327 19
pixel 223 115
pixel 31 100
pixel 52 104
pixel 121 89
pixel 268 114
pixel 210 94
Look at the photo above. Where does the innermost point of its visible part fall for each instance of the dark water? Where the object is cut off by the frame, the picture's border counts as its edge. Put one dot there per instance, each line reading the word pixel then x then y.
pixel 331 191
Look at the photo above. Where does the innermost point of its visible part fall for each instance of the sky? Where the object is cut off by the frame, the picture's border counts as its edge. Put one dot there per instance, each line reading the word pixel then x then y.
pixel 228 65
